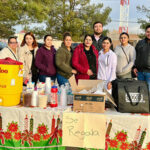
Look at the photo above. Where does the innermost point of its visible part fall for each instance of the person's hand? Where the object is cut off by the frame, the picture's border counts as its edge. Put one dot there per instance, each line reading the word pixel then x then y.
pixel 109 85
pixel 89 72
pixel 74 71
pixel 25 81
pixel 135 71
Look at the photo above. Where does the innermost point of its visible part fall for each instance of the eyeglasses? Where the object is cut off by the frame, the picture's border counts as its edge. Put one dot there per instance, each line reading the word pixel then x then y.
pixel 12 42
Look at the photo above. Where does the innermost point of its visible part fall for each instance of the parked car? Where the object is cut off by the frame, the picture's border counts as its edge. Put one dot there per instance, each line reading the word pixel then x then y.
pixel 74 45
pixel 40 44
pixel 2 45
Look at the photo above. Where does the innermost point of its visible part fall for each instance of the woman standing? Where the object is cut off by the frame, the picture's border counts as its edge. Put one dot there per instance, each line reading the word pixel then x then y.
pixel 63 60
pixel 85 59
pixel 107 61
pixel 27 54
pixel 45 60
pixel 126 56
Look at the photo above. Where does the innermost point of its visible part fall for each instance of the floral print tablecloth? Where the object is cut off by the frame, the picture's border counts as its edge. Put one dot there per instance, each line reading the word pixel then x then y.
pixel 28 128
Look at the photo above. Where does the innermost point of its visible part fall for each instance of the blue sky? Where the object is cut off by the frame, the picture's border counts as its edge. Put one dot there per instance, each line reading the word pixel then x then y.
pixel 115 14
pixel 133 13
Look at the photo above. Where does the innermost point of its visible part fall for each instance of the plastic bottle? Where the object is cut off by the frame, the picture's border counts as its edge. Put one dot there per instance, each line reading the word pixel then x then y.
pixel 54 98
pixel 67 91
pixel 69 96
pixel 30 87
pixel 59 94
pixel 47 85
pixel 63 96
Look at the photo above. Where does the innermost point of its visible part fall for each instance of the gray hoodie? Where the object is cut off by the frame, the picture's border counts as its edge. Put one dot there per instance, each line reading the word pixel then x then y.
pixel 123 67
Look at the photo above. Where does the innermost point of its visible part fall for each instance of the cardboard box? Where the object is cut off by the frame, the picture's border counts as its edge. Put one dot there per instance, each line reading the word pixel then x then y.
pixel 88 102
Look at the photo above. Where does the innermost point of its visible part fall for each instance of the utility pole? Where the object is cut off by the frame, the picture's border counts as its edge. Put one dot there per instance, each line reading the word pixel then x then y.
pixel 124 15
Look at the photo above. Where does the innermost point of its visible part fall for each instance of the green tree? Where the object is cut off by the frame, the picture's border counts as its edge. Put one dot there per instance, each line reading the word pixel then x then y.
pixel 24 12
pixel 143 22
pixel 59 16
pixel 10 13
pixel 53 17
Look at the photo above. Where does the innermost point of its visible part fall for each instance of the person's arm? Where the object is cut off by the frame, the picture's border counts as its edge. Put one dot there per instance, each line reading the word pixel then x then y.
pixel 132 56
pixel 109 85
pixel 137 47
pixel 75 63
pixel 113 67
pixel 135 70
pixel 21 55
pixel 60 62
pixel 38 61
pixel 3 54
pixel 21 58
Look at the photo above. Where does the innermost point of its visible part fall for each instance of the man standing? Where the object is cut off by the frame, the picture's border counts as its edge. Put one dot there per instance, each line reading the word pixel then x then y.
pixel 142 62
pixel 11 50
pixel 98 36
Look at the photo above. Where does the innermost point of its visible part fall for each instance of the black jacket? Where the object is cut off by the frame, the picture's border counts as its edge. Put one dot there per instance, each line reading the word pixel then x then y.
pixel 98 44
pixel 142 62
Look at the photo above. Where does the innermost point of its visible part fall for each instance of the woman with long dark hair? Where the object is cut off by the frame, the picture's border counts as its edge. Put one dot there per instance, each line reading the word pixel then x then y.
pixel 63 60
pixel 107 61
pixel 45 59
pixel 85 59
pixel 125 56
pixel 27 53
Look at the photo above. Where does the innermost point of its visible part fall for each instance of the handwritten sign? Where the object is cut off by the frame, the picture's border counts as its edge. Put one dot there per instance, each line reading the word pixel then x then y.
pixel 85 130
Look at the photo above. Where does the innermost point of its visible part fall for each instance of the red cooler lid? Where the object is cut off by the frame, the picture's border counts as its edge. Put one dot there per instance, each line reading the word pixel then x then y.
pixel 9 61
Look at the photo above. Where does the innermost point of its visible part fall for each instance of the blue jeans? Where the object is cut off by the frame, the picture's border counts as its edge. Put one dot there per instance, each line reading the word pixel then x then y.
pixel 42 78
pixel 61 80
pixel 144 76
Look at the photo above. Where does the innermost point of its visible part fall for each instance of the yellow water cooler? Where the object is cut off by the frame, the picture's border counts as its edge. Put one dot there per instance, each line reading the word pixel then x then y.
pixel 11 82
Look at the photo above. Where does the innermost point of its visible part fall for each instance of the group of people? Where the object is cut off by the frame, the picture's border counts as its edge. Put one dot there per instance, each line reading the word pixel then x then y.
pixel 95 58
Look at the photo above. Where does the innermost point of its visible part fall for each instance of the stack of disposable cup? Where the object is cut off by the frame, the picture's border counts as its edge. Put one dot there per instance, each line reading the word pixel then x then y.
pixel 34 101
pixel 42 101
pixel 48 87
pixel 63 97
pixel 27 98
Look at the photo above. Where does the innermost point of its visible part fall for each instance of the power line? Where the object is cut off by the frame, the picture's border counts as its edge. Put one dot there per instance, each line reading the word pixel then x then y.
pixel 107 1
pixel 111 0
pixel 113 20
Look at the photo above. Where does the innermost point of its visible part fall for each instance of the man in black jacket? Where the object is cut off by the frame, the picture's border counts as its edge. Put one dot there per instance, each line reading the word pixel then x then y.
pixel 98 35
pixel 142 62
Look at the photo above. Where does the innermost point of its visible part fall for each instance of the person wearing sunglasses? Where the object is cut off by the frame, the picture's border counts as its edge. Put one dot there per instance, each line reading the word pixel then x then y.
pixel 11 50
